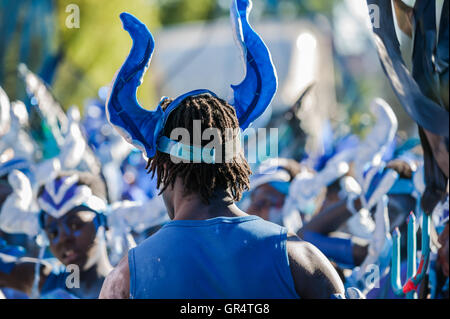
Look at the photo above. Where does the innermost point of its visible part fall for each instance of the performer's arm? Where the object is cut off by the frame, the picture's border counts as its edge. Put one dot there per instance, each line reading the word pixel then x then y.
pixel 117 283
pixel 314 276
pixel 329 219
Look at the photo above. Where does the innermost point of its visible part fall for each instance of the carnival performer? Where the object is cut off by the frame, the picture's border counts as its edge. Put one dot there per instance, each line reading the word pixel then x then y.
pixel 71 215
pixel 81 229
pixel 210 249
pixel 270 190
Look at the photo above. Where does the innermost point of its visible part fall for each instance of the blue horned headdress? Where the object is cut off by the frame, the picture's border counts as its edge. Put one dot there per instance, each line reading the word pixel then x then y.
pixel 143 128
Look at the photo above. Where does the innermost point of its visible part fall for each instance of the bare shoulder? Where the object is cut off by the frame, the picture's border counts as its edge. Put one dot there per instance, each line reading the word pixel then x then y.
pixel 117 283
pixel 314 276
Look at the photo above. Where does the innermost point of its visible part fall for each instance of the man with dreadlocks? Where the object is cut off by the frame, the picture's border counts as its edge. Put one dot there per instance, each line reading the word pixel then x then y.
pixel 210 249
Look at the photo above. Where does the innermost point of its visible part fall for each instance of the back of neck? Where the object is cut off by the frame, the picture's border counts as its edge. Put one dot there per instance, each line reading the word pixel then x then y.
pixel 221 204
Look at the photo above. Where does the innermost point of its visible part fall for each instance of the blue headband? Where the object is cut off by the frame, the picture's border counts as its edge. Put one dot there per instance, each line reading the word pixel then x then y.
pixel 281 187
pixel 402 186
pixel 143 128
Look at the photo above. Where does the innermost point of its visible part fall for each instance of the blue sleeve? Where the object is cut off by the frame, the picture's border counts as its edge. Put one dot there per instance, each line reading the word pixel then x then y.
pixel 56 279
pixel 338 249
pixel 9 256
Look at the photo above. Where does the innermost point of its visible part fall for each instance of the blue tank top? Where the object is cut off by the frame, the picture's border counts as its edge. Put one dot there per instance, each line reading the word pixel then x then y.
pixel 220 258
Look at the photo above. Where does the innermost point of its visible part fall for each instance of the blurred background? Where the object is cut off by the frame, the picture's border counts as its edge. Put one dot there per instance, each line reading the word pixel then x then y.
pixel 327 66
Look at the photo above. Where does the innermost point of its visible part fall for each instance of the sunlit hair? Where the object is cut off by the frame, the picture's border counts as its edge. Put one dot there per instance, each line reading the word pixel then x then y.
pixel 201 178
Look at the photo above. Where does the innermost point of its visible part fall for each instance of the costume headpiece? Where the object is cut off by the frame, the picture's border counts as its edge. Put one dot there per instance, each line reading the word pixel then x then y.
pixel 61 195
pixel 143 128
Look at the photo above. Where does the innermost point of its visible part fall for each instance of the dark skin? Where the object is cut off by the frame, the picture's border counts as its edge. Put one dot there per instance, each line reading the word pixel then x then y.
pixel 443 254
pixel 265 197
pixel 439 150
pixel 72 241
pixel 313 275
pixel 329 219
pixel 5 191
pixel 22 275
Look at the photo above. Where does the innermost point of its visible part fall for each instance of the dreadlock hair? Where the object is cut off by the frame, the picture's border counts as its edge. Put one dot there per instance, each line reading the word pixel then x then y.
pixel 202 178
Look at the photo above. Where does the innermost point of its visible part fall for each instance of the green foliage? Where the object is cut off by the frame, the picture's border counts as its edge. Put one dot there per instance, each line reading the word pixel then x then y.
pixel 179 11
pixel 92 53
pixel 95 51
pixel 26 35
pixel 322 6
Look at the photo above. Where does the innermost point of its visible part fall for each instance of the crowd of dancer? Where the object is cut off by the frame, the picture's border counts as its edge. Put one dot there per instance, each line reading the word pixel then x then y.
pixel 111 204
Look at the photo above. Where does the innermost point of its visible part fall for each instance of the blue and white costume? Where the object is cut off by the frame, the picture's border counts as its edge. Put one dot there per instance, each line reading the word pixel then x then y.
pixel 143 128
